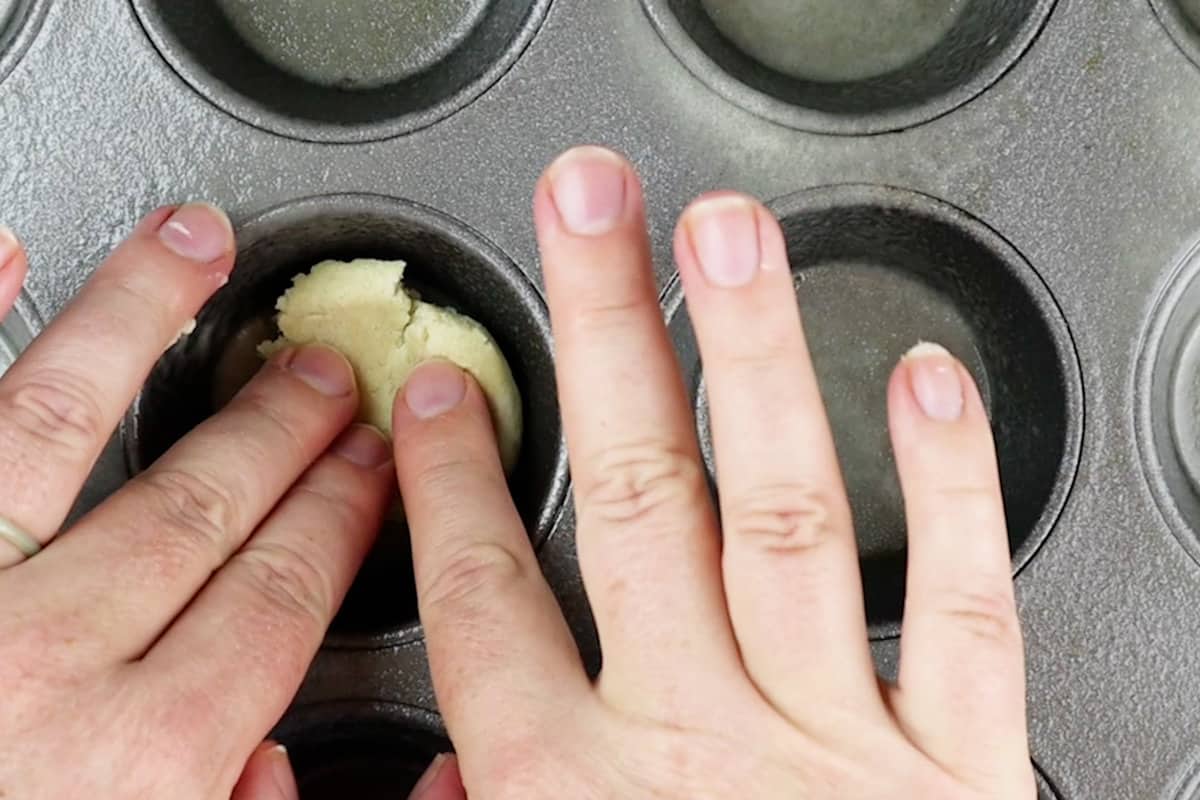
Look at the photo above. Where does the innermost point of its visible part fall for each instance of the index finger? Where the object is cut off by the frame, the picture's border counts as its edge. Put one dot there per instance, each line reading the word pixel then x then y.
pixel 501 653
pixel 649 548
pixel 62 399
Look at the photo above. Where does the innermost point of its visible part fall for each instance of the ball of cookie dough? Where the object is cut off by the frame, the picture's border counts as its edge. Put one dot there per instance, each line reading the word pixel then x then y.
pixel 362 309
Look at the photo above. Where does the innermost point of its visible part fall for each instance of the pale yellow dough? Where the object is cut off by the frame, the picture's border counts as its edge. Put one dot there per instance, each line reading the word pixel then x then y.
pixel 362 309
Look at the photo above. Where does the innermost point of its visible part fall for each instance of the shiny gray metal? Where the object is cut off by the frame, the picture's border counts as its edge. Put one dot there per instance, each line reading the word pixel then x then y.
pixel 1080 148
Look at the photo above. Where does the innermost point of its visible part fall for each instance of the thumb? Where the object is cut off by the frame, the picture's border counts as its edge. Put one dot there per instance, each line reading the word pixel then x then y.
pixel 441 781
pixel 268 776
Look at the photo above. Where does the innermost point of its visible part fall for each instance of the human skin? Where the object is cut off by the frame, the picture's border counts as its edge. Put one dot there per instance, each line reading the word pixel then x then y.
pixel 736 661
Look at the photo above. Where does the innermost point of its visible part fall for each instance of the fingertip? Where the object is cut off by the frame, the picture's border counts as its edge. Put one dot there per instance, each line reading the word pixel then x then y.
pixel 198 232
pixel 433 389
pixel 267 775
pixel 12 252
pixel 586 193
pixel 727 239
pixel 322 368
pixel 281 770
pixel 441 781
pixel 194 239
pixel 439 404
pixel 933 386
pixel 14 267
pixel 10 245
pixel 936 383
pixel 586 153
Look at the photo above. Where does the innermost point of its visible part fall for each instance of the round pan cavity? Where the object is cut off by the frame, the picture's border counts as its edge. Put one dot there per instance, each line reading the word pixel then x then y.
pixel 1168 402
pixel 1181 18
pixel 850 67
pixel 20 21
pixel 347 71
pixel 878 270
pixel 365 751
pixel 449 264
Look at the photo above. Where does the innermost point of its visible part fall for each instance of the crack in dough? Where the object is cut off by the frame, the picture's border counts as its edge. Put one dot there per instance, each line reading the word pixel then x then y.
pixel 363 309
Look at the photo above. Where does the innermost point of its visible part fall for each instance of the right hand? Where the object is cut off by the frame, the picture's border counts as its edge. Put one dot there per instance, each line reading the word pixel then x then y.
pixel 736 662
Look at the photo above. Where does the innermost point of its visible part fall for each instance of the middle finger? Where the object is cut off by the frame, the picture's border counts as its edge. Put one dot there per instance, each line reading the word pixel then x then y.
pixel 173 526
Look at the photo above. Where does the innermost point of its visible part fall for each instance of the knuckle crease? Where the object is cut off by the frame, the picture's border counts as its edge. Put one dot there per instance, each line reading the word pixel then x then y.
pixel 57 410
pixel 640 483
pixel 787 519
pixel 196 507
pixel 290 580
pixel 475 574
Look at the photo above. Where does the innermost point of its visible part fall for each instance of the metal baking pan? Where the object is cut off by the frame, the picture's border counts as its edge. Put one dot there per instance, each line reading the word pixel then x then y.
pixel 1017 178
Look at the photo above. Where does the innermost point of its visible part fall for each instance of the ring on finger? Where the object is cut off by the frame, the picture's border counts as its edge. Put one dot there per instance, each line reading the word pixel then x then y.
pixel 26 545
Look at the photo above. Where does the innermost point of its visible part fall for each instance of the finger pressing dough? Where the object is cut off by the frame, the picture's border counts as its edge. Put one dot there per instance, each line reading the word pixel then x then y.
pixel 362 309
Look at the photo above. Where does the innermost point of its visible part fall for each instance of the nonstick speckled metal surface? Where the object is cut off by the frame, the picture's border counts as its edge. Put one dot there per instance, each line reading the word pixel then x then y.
pixel 1027 188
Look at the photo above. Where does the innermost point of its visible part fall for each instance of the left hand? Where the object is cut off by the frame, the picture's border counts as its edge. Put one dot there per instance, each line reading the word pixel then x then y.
pixel 148 650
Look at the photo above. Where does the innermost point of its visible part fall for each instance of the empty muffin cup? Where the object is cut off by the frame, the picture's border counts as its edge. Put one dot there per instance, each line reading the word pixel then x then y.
pixel 849 66
pixel 1168 401
pixel 19 24
pixel 1181 18
pixel 362 750
pixel 449 265
pixel 353 70
pixel 877 271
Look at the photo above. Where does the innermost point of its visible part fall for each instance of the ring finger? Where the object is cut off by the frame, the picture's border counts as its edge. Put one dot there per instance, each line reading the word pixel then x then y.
pixel 60 402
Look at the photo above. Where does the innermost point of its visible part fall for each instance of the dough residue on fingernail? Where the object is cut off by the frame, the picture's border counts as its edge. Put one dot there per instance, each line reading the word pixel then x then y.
pixel 188 329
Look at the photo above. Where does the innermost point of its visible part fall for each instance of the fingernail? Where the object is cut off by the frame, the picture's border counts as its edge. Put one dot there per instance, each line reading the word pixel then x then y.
pixel 323 369
pixel 434 388
pixel 8 246
pixel 282 775
pixel 933 375
pixel 197 232
pixel 588 186
pixel 429 778
pixel 724 235
pixel 364 446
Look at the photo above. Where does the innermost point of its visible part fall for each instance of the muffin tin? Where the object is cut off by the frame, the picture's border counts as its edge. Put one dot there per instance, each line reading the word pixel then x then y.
pixel 1018 179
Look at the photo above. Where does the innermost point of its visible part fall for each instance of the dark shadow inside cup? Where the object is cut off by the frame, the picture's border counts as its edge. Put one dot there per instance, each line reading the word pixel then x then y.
pixel 364 751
